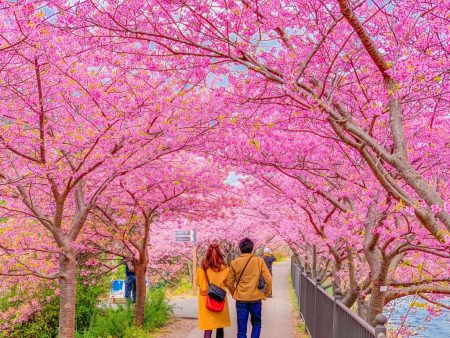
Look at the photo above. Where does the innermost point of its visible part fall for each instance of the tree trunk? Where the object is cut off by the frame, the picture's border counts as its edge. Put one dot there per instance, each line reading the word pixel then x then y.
pixel 362 307
pixel 67 298
pixel 141 295
pixel 377 300
pixel 336 280
pixel 314 263
pixel 351 296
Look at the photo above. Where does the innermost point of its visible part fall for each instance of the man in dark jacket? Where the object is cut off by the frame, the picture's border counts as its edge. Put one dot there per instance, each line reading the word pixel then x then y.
pixel 269 259
pixel 130 283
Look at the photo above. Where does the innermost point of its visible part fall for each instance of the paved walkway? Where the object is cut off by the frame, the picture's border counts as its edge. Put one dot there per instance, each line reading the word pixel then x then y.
pixel 277 316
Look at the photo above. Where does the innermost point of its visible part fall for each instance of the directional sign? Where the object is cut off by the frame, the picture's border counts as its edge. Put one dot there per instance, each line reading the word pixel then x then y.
pixel 182 238
pixel 185 236
pixel 183 232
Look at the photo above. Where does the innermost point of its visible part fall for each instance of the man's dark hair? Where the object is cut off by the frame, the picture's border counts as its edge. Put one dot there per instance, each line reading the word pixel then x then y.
pixel 246 245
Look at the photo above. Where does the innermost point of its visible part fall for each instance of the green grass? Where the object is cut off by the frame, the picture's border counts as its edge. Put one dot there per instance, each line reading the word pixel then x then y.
pixel 109 323
pixel 112 323
pixel 91 321
pixel 44 323
pixel 183 288
pixel 157 310
pixel 300 330
pixel 280 256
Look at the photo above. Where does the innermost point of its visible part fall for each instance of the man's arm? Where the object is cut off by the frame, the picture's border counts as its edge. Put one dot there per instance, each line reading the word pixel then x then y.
pixel 268 278
pixel 231 280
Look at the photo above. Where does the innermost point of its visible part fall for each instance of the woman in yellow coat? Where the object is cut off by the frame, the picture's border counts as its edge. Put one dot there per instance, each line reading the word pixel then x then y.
pixel 217 271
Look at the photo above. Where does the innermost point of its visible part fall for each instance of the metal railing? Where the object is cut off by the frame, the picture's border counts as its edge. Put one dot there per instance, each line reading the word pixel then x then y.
pixel 328 317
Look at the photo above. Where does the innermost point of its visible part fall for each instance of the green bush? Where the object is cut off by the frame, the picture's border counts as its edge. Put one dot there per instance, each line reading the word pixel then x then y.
pixel 136 332
pixel 87 300
pixel 183 287
pixel 118 322
pixel 91 320
pixel 109 322
pixel 280 256
pixel 43 324
pixel 157 310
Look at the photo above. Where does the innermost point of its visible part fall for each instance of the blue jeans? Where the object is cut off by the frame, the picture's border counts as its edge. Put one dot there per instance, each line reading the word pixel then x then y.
pixel 242 310
pixel 130 288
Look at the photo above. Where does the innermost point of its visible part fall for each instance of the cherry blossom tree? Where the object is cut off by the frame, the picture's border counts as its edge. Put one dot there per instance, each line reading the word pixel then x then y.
pixel 182 186
pixel 359 70
pixel 334 112
pixel 369 246
pixel 73 121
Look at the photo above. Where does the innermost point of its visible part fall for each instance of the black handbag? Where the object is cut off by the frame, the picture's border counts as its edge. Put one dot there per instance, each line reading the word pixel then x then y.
pixel 261 281
pixel 214 291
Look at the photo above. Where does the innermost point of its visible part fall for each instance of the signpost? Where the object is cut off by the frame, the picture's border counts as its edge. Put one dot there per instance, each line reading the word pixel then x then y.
pixel 184 235
pixel 190 236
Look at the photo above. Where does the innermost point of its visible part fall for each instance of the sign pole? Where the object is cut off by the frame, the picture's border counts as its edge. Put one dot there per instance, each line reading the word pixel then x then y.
pixel 194 261
pixel 187 236
pixel 194 268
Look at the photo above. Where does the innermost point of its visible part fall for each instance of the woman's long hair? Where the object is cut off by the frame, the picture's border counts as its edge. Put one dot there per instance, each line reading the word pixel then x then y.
pixel 213 258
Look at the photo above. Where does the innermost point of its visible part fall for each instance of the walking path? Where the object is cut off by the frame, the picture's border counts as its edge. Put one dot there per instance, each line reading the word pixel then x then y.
pixel 277 315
